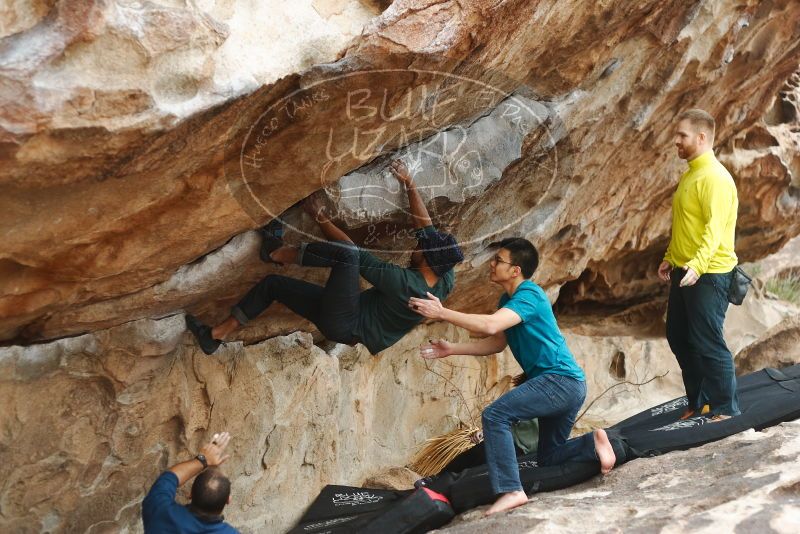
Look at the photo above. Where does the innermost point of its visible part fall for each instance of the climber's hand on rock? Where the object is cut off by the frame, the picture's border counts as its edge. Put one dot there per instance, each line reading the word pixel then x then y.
pixel 436 349
pixel 314 206
pixel 400 171
pixel 214 450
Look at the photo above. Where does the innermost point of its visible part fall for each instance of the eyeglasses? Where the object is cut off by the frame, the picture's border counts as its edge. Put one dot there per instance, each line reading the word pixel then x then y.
pixel 497 259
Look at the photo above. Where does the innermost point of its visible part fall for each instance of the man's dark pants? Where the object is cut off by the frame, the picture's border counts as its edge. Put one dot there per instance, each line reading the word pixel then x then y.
pixel 333 308
pixel 695 317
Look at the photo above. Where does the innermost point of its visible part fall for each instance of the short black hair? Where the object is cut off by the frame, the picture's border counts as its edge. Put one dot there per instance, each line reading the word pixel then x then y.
pixel 210 491
pixel 440 250
pixel 523 253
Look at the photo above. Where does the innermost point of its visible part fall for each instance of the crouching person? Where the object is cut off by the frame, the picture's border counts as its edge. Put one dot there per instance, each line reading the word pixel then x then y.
pixel 211 491
pixel 555 387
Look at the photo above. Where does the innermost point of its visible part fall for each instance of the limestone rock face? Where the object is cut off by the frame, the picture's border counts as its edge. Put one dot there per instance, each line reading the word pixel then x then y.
pixel 767 165
pixel 90 421
pixel 86 89
pixel 745 483
pixel 777 347
pixel 131 145
pixel 785 261
pixel 142 142
pixel 124 64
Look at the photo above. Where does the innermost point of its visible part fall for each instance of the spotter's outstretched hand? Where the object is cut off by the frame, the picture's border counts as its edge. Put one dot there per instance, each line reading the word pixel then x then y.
pixel 436 349
pixel 430 307
pixel 214 450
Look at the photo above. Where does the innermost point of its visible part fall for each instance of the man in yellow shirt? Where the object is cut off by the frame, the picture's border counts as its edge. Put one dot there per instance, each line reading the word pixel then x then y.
pixel 699 264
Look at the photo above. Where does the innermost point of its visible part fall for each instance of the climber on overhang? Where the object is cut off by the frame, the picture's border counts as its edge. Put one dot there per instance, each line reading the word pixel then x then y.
pixel 377 317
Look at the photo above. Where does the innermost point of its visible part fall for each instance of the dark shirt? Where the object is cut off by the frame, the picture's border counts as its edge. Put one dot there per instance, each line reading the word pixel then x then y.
pixel 161 514
pixel 385 316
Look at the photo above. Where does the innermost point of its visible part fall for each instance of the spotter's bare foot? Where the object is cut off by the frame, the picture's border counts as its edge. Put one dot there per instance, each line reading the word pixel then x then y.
pixel 605 452
pixel 507 502
pixel 719 417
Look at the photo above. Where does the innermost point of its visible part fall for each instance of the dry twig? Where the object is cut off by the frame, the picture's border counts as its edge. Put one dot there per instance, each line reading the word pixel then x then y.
pixel 615 385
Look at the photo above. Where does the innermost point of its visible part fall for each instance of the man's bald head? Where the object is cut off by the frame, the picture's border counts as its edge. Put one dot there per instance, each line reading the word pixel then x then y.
pixel 210 491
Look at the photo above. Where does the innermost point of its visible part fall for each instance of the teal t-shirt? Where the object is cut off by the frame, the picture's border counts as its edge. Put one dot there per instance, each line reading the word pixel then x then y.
pixel 385 316
pixel 536 342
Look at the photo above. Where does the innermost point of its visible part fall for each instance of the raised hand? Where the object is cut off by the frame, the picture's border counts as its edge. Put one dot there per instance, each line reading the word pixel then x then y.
pixel 400 171
pixel 214 451
pixel 314 206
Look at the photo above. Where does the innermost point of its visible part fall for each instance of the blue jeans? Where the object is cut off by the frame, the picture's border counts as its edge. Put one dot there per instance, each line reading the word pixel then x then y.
pixel 334 309
pixel 695 316
pixel 581 449
pixel 553 399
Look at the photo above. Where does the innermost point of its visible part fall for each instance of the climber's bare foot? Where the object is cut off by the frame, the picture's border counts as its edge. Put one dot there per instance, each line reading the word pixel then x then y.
pixel 225 328
pixel 604 451
pixel 284 255
pixel 719 417
pixel 507 502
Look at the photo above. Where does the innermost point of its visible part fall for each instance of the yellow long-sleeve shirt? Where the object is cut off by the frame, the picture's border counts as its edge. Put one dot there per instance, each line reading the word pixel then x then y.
pixel 704 218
